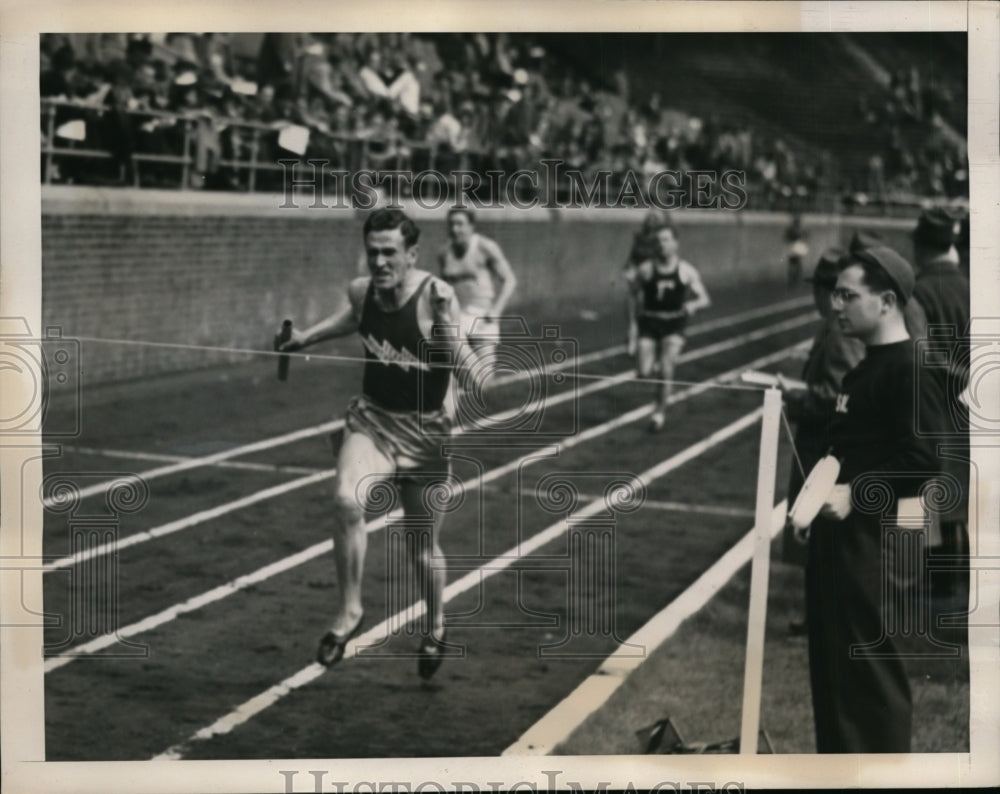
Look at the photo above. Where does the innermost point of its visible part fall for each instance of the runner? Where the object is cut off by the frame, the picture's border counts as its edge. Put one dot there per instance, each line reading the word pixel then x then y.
pixel 470 262
pixel 664 291
pixel 394 429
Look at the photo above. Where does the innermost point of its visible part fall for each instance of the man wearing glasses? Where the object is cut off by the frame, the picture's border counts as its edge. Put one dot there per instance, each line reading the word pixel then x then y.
pixel 861 695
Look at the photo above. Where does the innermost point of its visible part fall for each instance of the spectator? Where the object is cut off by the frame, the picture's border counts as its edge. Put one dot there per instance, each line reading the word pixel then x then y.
pixel 261 108
pixel 277 58
pixel 118 124
pixel 316 75
pixel 59 80
pixel 391 81
pixel 798 250
pixel 446 129
pixel 185 49
pixel 858 575
pixel 945 294
pixel 830 357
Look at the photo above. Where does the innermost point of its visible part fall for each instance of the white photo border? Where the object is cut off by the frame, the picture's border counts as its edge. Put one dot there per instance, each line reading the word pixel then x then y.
pixel 21 689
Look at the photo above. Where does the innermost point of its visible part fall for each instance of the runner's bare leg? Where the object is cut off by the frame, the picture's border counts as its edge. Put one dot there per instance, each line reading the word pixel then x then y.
pixel 360 465
pixel 670 348
pixel 424 525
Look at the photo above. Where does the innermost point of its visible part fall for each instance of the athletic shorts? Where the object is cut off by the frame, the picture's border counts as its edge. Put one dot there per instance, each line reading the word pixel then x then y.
pixel 411 440
pixel 659 328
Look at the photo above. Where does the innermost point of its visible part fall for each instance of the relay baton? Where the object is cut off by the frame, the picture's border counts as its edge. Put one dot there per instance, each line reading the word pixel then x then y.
pixel 279 339
pixel 813 496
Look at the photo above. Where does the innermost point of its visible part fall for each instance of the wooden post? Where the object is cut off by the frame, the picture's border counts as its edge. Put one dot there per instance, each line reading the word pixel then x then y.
pixel 757 619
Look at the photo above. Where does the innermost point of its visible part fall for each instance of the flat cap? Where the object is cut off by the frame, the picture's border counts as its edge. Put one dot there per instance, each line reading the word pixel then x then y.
pixel 827 268
pixel 899 270
pixel 937 227
pixel 865 238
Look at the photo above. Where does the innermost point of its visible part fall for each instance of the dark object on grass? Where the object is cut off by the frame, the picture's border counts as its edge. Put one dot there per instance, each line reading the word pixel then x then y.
pixel 664 738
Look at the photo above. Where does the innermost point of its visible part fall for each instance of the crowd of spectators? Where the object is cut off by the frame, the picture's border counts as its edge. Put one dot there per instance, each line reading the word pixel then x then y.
pixel 391 100
pixel 920 153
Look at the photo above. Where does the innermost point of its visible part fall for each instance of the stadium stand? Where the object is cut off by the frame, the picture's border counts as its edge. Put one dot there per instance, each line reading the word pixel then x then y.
pixel 217 111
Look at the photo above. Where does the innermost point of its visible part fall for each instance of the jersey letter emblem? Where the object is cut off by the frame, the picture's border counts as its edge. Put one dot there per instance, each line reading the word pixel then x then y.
pixel 841 407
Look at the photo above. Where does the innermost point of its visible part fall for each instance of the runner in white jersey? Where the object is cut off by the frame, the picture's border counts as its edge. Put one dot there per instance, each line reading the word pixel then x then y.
pixel 483 281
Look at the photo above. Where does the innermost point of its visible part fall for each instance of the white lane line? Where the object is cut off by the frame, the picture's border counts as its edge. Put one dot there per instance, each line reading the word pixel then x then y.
pixel 245 465
pixel 708 510
pixel 262 574
pixel 189 521
pixel 752 336
pixel 332 426
pixel 726 321
pixel 404 617
pixel 555 727
pixel 496 419
pixel 667 506
pixel 207 460
pixel 190 605
pixel 751 314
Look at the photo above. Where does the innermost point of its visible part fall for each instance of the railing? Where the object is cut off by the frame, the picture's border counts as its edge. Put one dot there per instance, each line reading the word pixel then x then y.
pixel 244 155
pixel 355 151
pixel 87 113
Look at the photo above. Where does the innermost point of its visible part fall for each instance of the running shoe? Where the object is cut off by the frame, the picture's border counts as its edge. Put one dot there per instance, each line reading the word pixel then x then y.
pixel 656 422
pixel 331 647
pixel 431 655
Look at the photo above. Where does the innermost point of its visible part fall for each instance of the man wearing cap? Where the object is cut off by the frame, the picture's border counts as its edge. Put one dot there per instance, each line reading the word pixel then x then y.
pixel 943 290
pixel 831 356
pixel 861 699
pixel 913 312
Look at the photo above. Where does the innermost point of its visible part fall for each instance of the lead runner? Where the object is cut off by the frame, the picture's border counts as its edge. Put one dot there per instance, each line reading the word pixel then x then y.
pixel 394 429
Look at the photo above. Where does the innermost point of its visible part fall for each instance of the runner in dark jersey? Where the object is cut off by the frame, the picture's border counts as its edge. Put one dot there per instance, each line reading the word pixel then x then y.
pixel 395 428
pixel 663 292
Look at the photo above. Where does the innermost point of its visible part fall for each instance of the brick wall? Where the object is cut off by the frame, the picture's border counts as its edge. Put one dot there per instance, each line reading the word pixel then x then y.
pixel 222 271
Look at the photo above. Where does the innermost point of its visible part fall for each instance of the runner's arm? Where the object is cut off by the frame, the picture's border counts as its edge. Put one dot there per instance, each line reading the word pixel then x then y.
pixel 341 323
pixel 632 309
pixel 701 297
pixel 501 268
pixel 445 313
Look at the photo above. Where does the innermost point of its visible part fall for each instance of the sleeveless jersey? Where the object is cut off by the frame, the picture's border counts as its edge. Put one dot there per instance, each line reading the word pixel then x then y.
pixel 660 292
pixel 398 375
pixel 469 274
pixel 663 292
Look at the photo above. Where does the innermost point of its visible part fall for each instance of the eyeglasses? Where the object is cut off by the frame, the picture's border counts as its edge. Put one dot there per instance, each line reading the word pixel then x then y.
pixel 842 295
